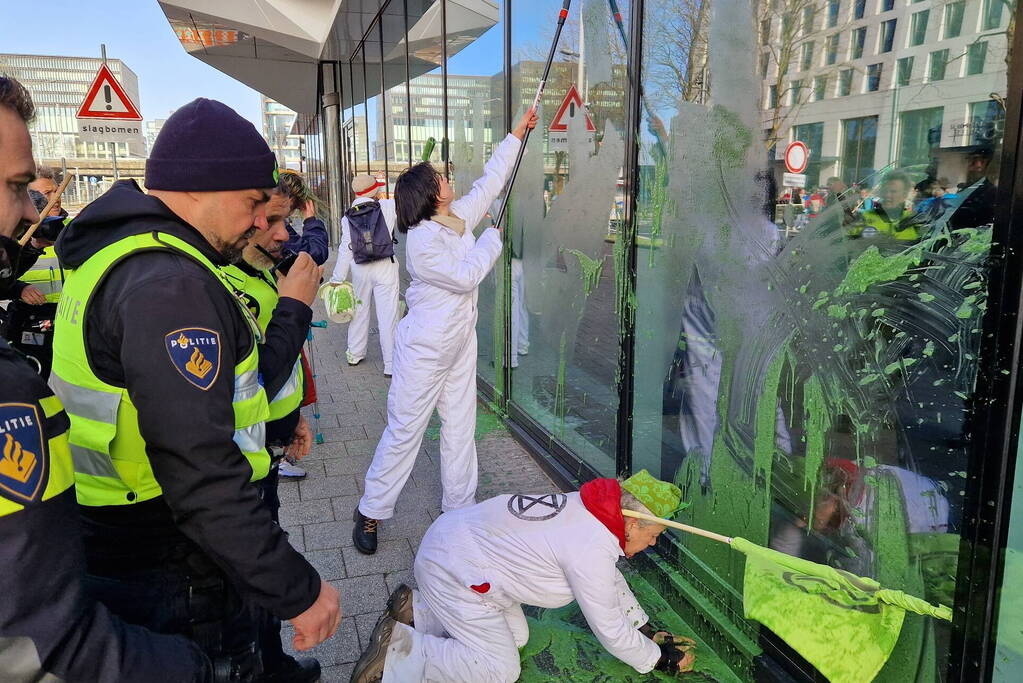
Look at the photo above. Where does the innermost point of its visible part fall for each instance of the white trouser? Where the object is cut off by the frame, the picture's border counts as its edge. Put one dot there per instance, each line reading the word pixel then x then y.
pixel 459 636
pixel 519 313
pixel 374 282
pixel 430 371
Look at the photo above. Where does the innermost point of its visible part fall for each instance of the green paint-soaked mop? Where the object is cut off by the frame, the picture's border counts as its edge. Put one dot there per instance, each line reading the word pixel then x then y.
pixel 561 647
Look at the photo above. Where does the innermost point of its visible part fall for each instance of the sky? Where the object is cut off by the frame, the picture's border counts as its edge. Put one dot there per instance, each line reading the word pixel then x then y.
pixel 136 32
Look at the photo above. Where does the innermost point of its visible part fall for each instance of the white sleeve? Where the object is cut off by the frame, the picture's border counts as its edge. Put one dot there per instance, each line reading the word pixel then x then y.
pixel 390 214
pixel 596 583
pixel 473 206
pixel 434 264
pixel 344 254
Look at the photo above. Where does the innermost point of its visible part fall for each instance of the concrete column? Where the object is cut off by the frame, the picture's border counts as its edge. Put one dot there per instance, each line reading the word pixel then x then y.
pixel 330 113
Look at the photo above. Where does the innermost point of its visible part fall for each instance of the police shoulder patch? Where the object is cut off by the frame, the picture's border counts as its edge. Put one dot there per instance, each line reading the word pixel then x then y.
pixel 195 352
pixel 23 459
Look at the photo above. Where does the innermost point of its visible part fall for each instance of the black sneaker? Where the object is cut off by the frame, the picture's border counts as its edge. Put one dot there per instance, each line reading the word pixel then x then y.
pixel 399 605
pixel 365 533
pixel 370 667
pixel 305 670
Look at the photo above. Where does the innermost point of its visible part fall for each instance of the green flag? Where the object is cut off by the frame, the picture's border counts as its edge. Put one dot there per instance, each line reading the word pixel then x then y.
pixel 843 624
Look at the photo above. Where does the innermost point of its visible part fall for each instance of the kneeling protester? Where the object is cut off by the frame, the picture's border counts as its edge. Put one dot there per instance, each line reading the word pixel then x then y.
pixel 477 566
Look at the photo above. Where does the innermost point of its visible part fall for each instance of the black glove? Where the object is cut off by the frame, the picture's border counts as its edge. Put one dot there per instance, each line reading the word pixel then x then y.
pixel 670 658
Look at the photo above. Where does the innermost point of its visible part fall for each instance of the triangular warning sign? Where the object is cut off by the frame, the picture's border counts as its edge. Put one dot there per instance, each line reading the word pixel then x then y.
pixel 569 106
pixel 106 99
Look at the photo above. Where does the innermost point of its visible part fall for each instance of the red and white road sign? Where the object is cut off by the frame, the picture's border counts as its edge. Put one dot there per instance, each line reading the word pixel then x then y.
pixel 106 99
pixel 569 106
pixel 797 156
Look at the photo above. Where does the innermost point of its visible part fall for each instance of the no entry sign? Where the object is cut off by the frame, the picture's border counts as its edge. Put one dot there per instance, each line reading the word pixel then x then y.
pixel 797 156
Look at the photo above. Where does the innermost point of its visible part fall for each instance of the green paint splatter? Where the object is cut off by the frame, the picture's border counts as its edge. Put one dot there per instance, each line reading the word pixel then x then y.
pixel 925 297
pixel 818 423
pixel 767 418
pixel 591 270
pixel 871 268
pixel 839 312
pixel 929 349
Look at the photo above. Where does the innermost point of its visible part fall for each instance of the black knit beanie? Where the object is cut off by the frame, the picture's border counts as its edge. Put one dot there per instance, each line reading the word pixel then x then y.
pixel 205 146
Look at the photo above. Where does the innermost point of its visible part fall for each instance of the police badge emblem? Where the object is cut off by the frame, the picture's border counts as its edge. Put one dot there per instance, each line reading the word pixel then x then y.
pixel 23 460
pixel 195 353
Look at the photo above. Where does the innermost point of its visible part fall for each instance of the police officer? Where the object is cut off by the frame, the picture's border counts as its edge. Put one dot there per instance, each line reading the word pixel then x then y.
pixel 283 313
pixel 48 628
pixel 155 359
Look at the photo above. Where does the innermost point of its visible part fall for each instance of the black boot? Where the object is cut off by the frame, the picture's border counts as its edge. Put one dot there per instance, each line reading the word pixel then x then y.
pixel 291 670
pixel 365 533
pixel 370 667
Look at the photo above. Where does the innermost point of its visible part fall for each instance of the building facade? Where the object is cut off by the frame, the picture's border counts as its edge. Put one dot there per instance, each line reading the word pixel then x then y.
pixel 847 392
pixel 277 129
pixel 58 86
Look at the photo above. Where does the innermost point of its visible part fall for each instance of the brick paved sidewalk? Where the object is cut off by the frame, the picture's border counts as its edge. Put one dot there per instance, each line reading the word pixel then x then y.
pixel 317 511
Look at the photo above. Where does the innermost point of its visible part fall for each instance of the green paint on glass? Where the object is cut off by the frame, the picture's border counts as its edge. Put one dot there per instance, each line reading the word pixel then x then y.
pixel 838 312
pixel 818 423
pixel 871 268
pixel 591 270
pixel 767 418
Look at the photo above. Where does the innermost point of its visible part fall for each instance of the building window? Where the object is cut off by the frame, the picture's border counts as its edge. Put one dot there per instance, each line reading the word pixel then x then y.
pixel 845 82
pixel 859 38
pixel 905 71
pixel 936 69
pixel 873 78
pixel 808 17
pixel 976 53
pixel 831 50
pixel 986 124
pixel 834 7
pixel 796 93
pixel 918 27
pixel 859 137
pixel 887 35
pixel 820 87
pixel 765 31
pixel 806 56
pixel 859 8
pixel 919 133
pixel 954 18
pixel 992 14
pixel 765 59
pixel 887 5
pixel 812 135
pixel 772 97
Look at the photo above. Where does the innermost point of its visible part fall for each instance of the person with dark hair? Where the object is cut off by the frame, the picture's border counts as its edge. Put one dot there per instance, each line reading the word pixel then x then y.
pixel 156 360
pixel 49 629
pixel 313 240
pixel 435 345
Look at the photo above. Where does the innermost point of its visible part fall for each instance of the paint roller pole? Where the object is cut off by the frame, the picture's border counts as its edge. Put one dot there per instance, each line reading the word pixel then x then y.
pixel 562 15
pixel 318 436
pixel 676 525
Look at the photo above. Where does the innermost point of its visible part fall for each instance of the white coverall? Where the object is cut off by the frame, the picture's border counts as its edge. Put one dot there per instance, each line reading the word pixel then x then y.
pixel 523 550
pixel 374 281
pixel 435 349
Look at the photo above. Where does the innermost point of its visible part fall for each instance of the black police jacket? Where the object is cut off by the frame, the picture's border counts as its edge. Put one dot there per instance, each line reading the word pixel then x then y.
pixel 47 625
pixel 207 497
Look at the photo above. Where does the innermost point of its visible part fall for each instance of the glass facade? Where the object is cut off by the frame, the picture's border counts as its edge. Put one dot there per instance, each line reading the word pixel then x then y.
pixel 803 360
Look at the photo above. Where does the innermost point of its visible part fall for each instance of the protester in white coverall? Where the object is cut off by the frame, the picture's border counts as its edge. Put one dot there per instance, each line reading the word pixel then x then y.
pixel 477 566
pixel 374 281
pixel 435 345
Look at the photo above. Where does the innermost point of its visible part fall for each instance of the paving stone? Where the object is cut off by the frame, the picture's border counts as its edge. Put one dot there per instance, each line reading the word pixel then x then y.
pixel 395 579
pixel 344 508
pixel 341 648
pixel 362 594
pixel 362 446
pixel 327 487
pixel 390 556
pixel 329 563
pixel 343 433
pixel 341 673
pixel 327 535
pixel 364 625
pixel 306 512
pixel 351 465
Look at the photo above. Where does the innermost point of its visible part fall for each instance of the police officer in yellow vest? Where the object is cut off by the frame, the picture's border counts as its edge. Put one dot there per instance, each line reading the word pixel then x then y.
pixel 155 360
pixel 49 629
pixel 891 216
pixel 282 310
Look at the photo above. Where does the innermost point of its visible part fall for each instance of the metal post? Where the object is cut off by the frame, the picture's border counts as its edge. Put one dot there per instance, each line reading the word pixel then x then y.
pixel 330 114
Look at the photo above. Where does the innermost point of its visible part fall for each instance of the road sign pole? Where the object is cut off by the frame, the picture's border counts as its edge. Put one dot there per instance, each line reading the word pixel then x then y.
pixel 113 158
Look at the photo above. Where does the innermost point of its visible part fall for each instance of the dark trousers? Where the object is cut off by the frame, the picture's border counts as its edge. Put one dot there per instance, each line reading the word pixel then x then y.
pixel 270 646
pixel 189 596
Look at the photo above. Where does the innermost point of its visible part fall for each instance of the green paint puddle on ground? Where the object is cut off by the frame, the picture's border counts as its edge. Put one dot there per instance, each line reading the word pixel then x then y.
pixel 486 423
pixel 561 647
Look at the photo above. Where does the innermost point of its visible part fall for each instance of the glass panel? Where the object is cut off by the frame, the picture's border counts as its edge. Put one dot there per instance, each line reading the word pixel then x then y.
pixel 806 56
pixel 806 371
pixel 820 88
pixel 976 53
pixel 992 14
pixel 859 8
pixel 360 131
pixel 887 35
pixel 834 6
pixel 376 127
pixel 1008 660
pixel 918 28
pixel 832 50
pixel 887 5
pixel 395 100
pixel 954 18
pixel 566 215
pixel 476 121
pixel 936 67
pixel 859 38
